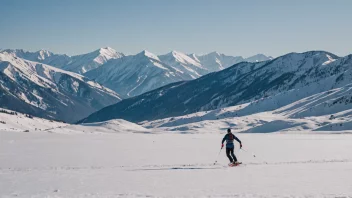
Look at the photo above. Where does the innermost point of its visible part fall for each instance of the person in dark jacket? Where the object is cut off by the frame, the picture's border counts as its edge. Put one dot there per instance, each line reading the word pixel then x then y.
pixel 229 137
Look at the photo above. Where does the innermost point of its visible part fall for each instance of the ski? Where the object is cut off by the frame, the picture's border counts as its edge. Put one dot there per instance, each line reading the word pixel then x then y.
pixel 235 164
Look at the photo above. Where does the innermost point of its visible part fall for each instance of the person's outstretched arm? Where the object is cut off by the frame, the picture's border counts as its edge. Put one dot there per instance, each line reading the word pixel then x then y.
pixel 238 140
pixel 223 140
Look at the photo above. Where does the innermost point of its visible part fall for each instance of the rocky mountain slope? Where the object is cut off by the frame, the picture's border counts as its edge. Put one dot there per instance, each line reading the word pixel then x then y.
pixel 328 111
pixel 45 91
pixel 301 74
pixel 136 74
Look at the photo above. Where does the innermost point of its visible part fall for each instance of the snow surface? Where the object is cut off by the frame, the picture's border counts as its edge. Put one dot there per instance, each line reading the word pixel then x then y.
pixel 20 122
pixel 111 126
pixel 43 164
pixel 116 158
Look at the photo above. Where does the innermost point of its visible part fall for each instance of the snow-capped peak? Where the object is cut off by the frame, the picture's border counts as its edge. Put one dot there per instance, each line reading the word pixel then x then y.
pixel 148 54
pixel 86 62
pixel 174 52
pixel 215 53
pixel 109 53
pixel 108 48
pixel 43 54
pixel 183 58
pixel 258 58
pixel 177 53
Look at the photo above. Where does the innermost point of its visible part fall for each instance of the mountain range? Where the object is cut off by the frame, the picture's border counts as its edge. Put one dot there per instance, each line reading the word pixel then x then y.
pixel 136 74
pixel 69 88
pixel 295 75
pixel 173 88
pixel 78 64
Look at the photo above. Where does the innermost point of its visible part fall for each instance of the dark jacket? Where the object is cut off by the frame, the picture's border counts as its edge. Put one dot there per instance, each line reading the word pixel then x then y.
pixel 229 140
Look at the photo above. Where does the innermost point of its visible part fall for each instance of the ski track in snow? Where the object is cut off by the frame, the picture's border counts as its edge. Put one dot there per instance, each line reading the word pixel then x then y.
pixel 93 195
pixel 170 167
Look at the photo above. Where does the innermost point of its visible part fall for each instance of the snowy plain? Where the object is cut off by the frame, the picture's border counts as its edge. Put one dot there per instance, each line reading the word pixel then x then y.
pixel 175 157
pixel 154 164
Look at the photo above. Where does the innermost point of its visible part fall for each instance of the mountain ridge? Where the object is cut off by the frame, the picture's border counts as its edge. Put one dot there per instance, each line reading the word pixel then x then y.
pixel 177 66
pixel 238 84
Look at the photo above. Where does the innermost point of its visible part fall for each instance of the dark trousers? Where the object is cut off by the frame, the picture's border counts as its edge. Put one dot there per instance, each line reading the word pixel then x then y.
pixel 230 155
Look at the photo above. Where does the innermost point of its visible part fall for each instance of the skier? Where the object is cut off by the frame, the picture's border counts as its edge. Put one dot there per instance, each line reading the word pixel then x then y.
pixel 229 137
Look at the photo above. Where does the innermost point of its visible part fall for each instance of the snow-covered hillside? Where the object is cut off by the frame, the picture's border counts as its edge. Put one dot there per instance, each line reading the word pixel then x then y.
pixel 19 122
pixel 111 126
pixel 184 64
pixel 15 121
pixel 303 74
pixel 329 111
pixel 136 74
pixel 45 91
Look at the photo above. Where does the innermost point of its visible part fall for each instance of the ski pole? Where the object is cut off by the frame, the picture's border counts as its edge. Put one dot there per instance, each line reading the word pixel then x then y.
pixel 252 154
pixel 247 151
pixel 217 156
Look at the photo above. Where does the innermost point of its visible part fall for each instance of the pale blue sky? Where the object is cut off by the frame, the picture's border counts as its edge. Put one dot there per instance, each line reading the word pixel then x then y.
pixel 272 27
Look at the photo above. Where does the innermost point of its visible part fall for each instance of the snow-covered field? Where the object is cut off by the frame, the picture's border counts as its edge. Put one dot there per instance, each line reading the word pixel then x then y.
pixel 54 164
pixel 15 121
